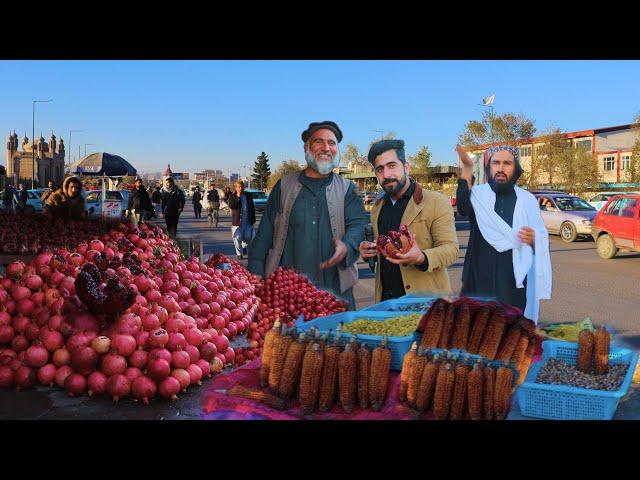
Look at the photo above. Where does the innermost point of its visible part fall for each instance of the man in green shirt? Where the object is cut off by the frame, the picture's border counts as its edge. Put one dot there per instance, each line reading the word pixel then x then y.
pixel 314 220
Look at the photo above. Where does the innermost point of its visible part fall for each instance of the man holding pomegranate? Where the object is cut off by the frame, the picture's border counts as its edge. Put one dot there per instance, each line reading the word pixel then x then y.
pixel 314 220
pixel 414 228
pixel 66 202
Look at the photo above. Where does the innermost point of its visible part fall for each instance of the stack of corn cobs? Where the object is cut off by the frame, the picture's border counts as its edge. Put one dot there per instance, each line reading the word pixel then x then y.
pixel 319 372
pixel 452 386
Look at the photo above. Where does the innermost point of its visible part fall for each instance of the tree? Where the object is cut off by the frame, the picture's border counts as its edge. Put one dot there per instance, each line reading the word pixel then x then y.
pixel 507 128
pixel 579 170
pixel 633 172
pixel 420 163
pixel 288 166
pixel 350 154
pixel 390 135
pixel 555 152
pixel 261 170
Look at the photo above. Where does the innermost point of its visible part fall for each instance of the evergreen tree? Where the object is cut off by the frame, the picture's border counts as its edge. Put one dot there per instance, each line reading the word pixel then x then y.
pixel 261 171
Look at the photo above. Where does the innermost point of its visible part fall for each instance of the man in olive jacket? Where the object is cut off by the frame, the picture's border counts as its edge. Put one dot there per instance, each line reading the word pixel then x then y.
pixel 429 216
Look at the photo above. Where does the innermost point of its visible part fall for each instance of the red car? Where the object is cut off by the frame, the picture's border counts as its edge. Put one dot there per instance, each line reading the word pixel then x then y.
pixel 617 226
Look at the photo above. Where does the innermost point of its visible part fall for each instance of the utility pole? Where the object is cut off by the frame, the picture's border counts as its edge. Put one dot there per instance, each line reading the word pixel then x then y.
pixel 33 140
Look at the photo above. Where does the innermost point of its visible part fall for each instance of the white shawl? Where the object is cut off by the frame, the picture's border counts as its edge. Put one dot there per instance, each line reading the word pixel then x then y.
pixel 535 266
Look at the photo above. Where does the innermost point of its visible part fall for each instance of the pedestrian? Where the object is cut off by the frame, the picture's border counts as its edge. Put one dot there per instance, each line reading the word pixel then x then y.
pixel 429 218
pixel 213 204
pixel 156 200
pixel 508 252
pixel 314 220
pixel 172 205
pixel 196 201
pixel 243 217
pixel 21 198
pixel 140 207
pixel 66 202
pixel 7 198
pixel 51 189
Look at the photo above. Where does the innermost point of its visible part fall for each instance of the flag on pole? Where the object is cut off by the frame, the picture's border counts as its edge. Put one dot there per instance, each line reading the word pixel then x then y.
pixel 488 100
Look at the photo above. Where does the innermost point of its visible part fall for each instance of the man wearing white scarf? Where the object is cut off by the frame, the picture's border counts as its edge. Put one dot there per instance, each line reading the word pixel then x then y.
pixel 508 252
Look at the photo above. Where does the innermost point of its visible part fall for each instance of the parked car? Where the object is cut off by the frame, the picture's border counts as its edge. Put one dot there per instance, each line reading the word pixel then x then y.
pixel 259 199
pixel 602 198
pixel 34 203
pixel 116 202
pixel 617 226
pixel 566 215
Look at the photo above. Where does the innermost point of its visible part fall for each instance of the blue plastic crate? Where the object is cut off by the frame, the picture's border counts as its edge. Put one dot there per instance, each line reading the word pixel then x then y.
pixel 395 303
pixel 559 402
pixel 399 346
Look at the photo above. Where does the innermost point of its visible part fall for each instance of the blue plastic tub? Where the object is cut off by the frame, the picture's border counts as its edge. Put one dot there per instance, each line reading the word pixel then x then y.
pixel 399 346
pixel 559 402
pixel 393 305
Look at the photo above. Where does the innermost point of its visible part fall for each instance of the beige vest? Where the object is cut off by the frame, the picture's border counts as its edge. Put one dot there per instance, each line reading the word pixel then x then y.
pixel 289 190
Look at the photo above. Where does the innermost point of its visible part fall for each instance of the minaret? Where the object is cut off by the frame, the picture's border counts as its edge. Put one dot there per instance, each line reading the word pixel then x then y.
pixel 167 173
pixel 52 144
pixel 11 151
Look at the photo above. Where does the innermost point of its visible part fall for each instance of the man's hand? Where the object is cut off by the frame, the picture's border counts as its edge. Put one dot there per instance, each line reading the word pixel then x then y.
pixel 527 235
pixel 368 250
pixel 413 257
pixel 464 157
pixel 341 252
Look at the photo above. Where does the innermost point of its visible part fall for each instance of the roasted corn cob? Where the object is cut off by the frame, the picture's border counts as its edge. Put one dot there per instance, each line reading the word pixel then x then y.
pixel 502 395
pixel 489 391
pixel 444 391
pixel 459 400
pixel 447 327
pixel 523 368
pixel 475 393
pixel 404 373
pixel 379 374
pixel 347 370
pixel 492 336
pixel 601 351
pixel 310 378
pixel 521 349
pixel 292 366
pixel 278 357
pixel 262 396
pixel 461 327
pixel 364 366
pixel 586 344
pixel 415 374
pixel 328 385
pixel 480 321
pixel 267 352
pixel 509 343
pixel 427 385
pixel 433 327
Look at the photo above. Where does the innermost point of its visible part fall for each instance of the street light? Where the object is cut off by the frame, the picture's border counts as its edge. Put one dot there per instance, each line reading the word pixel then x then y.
pixel 85 147
pixel 33 137
pixel 70 132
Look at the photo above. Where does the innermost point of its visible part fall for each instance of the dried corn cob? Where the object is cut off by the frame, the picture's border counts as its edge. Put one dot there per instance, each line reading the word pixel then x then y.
pixel 444 391
pixel 292 366
pixel 601 351
pixel 528 326
pixel 347 370
pixel 461 327
pixel 278 357
pixel 404 373
pixel 427 385
pixel 509 343
pixel 447 327
pixel 475 393
pixel 459 400
pixel 586 343
pixel 492 336
pixel 314 335
pixel 433 328
pixel 364 366
pixel 521 349
pixel 328 384
pixel 415 374
pixel 310 378
pixel 379 374
pixel 523 368
pixel 502 394
pixel 267 352
pixel 480 321
pixel 262 396
pixel 489 391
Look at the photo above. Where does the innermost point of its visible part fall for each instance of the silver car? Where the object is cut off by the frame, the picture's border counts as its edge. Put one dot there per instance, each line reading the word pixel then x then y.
pixel 566 215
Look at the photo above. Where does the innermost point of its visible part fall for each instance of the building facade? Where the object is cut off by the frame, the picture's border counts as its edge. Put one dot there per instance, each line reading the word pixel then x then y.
pixel 49 160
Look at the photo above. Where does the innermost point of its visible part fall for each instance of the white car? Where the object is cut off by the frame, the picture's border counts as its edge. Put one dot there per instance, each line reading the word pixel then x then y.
pixel 115 204
pixel 599 200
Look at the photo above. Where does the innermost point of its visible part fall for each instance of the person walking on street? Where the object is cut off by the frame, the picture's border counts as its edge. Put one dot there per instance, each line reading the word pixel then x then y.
pixel 172 205
pixel 508 252
pixel 7 199
pixel 140 206
pixel 213 205
pixel 21 197
pixel 196 201
pixel 429 218
pixel 156 200
pixel 314 220
pixel 66 202
pixel 51 188
pixel 243 217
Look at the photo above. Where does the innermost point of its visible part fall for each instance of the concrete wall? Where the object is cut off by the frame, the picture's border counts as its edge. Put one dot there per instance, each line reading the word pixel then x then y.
pixel 620 140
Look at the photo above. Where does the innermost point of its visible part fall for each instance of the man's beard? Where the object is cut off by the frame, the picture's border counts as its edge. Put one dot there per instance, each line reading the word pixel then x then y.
pixel 391 191
pixel 501 187
pixel 323 168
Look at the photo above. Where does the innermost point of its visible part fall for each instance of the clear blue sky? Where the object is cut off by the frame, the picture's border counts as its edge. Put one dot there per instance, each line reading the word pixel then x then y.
pixel 222 114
